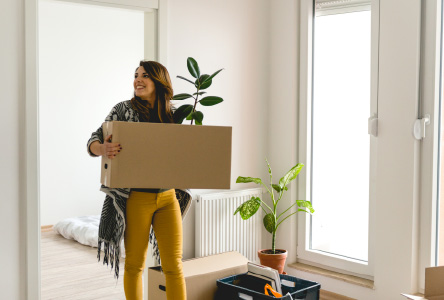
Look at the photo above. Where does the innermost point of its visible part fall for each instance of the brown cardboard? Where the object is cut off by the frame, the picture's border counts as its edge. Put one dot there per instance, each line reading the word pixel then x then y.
pixel 159 155
pixel 200 275
pixel 434 287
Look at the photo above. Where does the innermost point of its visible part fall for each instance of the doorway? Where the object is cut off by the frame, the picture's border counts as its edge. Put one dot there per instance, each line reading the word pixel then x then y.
pixel 68 82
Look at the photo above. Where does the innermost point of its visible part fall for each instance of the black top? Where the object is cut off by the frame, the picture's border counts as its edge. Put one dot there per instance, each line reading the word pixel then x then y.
pixel 154 115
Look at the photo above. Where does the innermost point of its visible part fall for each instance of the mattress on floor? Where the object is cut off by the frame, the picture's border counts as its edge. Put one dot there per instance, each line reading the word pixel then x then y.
pixel 84 230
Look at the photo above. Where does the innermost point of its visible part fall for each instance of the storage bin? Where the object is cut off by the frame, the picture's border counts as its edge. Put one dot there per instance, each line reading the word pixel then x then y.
pixel 253 288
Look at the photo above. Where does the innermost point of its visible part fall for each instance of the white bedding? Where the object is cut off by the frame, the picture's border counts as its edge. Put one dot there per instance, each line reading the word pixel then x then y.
pixel 84 230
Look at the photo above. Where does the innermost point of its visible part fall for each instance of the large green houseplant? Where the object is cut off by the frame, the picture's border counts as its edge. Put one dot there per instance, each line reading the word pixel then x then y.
pixel 201 82
pixel 272 219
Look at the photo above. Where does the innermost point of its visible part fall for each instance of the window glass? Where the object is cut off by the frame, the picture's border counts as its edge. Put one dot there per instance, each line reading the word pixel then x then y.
pixel 340 141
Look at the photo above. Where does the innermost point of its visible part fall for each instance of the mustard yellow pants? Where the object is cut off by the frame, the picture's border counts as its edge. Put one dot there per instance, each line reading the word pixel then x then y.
pixel 162 210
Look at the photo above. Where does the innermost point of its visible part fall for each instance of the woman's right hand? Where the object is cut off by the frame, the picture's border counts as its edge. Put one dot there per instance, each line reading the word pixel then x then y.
pixel 109 149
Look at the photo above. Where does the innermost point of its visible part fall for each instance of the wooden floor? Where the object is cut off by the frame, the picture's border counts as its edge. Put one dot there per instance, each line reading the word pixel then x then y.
pixel 70 270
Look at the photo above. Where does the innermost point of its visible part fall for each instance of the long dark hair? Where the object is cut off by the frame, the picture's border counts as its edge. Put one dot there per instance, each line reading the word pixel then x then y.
pixel 164 92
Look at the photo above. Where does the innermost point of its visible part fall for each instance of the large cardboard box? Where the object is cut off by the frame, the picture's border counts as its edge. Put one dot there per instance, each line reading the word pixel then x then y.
pixel 434 287
pixel 159 155
pixel 200 275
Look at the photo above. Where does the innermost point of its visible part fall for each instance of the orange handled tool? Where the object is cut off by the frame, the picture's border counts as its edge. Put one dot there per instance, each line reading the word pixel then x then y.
pixel 273 292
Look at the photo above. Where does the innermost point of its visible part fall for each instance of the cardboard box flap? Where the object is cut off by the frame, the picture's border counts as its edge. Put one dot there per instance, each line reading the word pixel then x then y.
pixel 213 263
pixel 434 286
pixel 201 275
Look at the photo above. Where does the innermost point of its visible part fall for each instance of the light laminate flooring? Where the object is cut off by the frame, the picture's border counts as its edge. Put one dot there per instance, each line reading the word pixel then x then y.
pixel 70 271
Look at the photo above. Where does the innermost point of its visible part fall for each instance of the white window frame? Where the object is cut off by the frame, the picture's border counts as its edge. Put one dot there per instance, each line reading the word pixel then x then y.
pixel 31 212
pixel 431 61
pixel 304 254
pixel 423 224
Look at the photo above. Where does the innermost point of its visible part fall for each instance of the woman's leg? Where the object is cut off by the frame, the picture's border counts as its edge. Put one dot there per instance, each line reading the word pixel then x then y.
pixel 140 208
pixel 167 224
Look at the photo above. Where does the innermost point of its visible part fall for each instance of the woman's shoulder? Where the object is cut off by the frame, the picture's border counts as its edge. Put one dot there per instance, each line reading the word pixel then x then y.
pixel 123 106
pixel 124 110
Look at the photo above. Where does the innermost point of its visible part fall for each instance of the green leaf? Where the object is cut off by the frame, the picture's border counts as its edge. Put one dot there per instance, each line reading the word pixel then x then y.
pixel 193 67
pixel 238 209
pixel 202 83
pixel 200 93
pixel 306 204
pixel 249 208
pixel 292 174
pixel 181 113
pixel 210 100
pixel 269 222
pixel 198 116
pixel 278 188
pixel 181 96
pixel 241 179
pixel 185 79
pixel 269 168
pixel 214 74
pixel 206 84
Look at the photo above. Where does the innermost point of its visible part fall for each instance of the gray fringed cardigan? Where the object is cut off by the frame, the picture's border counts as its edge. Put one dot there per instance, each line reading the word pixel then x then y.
pixel 113 218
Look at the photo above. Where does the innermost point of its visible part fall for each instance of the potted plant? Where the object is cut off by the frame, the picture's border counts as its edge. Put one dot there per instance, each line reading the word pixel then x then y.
pixel 202 82
pixel 273 258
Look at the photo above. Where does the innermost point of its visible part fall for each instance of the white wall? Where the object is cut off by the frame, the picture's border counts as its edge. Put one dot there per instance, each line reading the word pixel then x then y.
pixel 12 176
pixel 283 110
pixel 232 35
pixel 85 68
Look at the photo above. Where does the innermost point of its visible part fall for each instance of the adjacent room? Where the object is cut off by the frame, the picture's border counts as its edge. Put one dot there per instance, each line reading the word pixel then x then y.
pixel 84 67
pixel 305 162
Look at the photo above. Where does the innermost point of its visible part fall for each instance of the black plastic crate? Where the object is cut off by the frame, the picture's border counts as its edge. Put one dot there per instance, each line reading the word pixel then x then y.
pixel 228 290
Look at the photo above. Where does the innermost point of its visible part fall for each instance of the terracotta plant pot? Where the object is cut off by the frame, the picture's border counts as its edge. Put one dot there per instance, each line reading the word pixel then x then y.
pixel 275 261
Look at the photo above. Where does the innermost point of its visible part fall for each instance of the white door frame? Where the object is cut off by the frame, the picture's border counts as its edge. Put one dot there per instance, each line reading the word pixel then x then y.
pixel 31 209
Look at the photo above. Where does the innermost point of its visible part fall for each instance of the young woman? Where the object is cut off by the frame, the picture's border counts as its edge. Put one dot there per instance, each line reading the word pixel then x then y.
pixel 132 212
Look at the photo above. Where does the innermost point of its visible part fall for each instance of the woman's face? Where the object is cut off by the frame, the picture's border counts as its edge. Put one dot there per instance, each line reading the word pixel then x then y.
pixel 143 85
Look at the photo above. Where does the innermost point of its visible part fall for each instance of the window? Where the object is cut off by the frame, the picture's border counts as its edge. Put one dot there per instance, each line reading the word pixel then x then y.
pixel 334 135
pixel 404 186
pixel 340 141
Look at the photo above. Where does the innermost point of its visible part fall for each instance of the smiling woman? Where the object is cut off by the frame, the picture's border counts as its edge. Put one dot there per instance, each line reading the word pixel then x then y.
pixel 149 77
pixel 144 86
pixel 138 213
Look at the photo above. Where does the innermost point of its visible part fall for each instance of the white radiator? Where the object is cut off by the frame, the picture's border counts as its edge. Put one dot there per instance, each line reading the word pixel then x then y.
pixel 218 230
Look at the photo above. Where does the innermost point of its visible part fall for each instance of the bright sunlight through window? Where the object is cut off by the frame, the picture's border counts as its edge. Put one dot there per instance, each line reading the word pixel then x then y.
pixel 340 142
